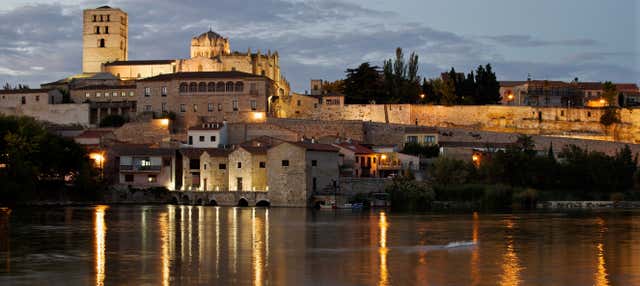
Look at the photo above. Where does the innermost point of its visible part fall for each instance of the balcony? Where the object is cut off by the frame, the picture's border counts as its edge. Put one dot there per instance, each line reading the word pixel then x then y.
pixel 139 168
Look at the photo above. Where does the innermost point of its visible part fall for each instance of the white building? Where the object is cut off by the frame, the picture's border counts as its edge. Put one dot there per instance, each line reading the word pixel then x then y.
pixel 208 135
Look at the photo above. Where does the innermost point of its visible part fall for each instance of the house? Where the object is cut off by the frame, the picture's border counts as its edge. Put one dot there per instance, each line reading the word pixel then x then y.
pixel 143 166
pixel 358 160
pixel 546 93
pixel 297 170
pixel 24 98
pixel 391 162
pixel 422 135
pixel 214 174
pixel 628 94
pixel 208 135
pixel 95 137
pixel 247 166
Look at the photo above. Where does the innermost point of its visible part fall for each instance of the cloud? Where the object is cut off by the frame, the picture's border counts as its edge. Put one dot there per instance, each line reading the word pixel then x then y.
pixel 315 39
pixel 527 41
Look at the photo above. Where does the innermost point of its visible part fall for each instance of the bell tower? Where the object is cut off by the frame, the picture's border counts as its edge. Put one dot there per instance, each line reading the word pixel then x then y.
pixel 104 37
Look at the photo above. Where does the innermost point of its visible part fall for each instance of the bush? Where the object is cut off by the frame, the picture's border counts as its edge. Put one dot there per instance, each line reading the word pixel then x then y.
pixel 112 120
pixel 409 195
pixel 446 171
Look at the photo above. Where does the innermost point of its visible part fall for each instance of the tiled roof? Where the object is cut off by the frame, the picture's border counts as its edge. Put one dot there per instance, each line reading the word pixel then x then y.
pixel 599 86
pixel 217 152
pixel 139 63
pixel 140 150
pixel 195 153
pixel 103 86
pixel 509 83
pixel 24 91
pixel 420 129
pixel 356 148
pixel 94 133
pixel 316 146
pixel 202 75
pixel 255 149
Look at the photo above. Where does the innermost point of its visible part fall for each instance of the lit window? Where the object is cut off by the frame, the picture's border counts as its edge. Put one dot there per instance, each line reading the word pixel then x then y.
pixel 254 105
pixel 195 108
pixel 106 94
pixel 124 93
pixel 147 91
pixel 183 107
pixel 210 107
pixel 235 105
pixel 115 93
pixel 152 179
pixel 164 91
pixel 98 94
pixel 87 94
pixel 131 93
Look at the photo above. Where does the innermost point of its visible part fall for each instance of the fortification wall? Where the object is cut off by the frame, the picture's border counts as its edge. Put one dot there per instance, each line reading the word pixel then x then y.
pixel 63 114
pixel 317 128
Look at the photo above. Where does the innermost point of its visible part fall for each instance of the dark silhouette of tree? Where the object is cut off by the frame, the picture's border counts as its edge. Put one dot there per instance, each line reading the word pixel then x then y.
pixel 363 84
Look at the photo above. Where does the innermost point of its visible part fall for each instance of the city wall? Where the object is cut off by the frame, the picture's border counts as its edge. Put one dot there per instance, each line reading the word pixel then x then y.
pixel 63 114
pixel 575 122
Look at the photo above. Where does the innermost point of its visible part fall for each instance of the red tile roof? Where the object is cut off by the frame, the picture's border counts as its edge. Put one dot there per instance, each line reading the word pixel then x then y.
pixel 356 148
pixel 316 146
pixel 94 133
pixel 208 126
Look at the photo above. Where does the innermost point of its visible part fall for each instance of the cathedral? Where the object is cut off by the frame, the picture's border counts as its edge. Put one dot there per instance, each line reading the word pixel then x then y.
pixel 105 49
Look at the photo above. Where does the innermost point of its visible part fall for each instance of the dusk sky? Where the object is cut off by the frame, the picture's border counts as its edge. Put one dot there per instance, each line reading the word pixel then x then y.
pixel 593 40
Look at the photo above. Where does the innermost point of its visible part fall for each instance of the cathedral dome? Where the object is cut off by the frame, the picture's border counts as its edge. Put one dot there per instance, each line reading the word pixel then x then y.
pixel 209 34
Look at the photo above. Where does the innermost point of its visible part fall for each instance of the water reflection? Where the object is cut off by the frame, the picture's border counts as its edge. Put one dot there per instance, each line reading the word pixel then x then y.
pixel 600 278
pixel 5 238
pixel 510 262
pixel 100 230
pixel 164 246
pixel 383 225
pixel 475 255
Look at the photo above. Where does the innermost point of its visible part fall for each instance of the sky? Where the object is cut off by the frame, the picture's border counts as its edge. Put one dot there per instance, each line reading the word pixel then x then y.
pixel 593 40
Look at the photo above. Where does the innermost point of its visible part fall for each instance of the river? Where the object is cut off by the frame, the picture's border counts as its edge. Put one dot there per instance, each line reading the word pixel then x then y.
pixel 194 245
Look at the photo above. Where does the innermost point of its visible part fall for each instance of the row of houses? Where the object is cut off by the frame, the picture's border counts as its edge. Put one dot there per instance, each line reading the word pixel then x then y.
pixel 548 93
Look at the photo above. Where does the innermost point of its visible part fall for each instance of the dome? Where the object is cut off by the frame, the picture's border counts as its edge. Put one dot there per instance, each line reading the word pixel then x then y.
pixel 209 34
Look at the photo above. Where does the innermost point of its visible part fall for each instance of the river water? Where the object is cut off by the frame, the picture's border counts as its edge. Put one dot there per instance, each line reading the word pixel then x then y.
pixel 193 245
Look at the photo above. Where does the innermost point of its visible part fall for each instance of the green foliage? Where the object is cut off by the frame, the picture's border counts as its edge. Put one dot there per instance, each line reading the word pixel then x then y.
pixel 34 160
pixel 401 80
pixel 112 120
pixel 609 116
pixel 363 84
pixel 409 195
pixel 609 92
pixel 425 151
pixel 447 171
pixel 479 87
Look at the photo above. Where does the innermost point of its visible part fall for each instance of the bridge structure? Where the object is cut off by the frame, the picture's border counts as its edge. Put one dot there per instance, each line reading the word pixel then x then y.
pixel 218 198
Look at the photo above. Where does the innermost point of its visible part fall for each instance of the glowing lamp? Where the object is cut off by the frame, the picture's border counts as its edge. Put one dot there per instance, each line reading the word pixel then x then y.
pixel 98 158
pixel 602 101
pixel 258 115
pixel 475 158
pixel 164 122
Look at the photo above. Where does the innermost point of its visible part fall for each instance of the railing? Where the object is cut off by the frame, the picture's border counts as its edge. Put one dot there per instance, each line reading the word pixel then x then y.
pixel 140 168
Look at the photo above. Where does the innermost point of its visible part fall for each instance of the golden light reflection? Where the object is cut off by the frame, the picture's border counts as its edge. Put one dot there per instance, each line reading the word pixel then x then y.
pixel 600 277
pixel 475 256
pixel 100 231
pixel 510 262
pixel 217 242
pixel 164 248
pixel 257 234
pixel 383 226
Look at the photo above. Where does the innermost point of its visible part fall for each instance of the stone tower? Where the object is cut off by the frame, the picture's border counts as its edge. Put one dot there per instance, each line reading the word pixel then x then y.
pixel 104 37
pixel 209 45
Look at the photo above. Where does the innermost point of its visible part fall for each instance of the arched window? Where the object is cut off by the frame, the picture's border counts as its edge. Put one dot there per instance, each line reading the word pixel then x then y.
pixel 281 92
pixel 211 87
pixel 239 86
pixel 184 87
pixel 193 87
pixel 101 43
pixel 220 86
pixel 199 68
pixel 202 87
pixel 230 86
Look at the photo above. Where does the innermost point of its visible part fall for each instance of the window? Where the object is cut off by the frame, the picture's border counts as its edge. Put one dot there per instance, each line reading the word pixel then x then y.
pixel 253 88
pixel 263 165
pixel 195 108
pixel 205 166
pixel 315 184
pixel 164 107
pixel 87 94
pixel 561 112
pixel 37 98
pixel 429 139
pixel 183 107
pixel 235 105
pixel 285 163
pixel 106 29
pixel 184 87
pixel 220 86
pixel 254 105
pixel 23 100
pixel 101 19
pixel 147 91
pixel 194 163
pixel 147 108
pixel 152 179
pixel 210 107
pixel 128 178
pixel 412 139
pixel 298 103
pixel 239 165
pixel 101 43
pixel 229 86
pixel 190 140
pixel 314 163
pixel 115 93
pixel 239 86
pixel 94 18
pixel 97 29
pixel 98 94
pixel 131 93
pixel 202 87
pixel 222 166
pixel 193 87
pixel 139 75
pixel 219 106
pixel 108 18
pixel 163 91
pixel 263 72
pixel 124 93
pixel 201 138
pixel 212 138
pixel 315 105
pixel 106 94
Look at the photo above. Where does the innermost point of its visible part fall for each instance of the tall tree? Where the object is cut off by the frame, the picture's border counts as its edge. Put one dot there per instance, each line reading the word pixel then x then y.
pixel 609 93
pixel 363 84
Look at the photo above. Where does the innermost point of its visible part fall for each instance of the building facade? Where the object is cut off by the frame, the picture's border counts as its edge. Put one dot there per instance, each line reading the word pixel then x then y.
pixel 104 100
pixel 104 37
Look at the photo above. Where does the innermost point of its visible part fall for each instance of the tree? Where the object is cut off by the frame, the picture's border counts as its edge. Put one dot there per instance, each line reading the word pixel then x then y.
pixel 447 90
pixel 112 120
pixel 609 93
pixel 363 84
pixel 487 86
pixel 334 86
pixel 401 80
pixel 609 116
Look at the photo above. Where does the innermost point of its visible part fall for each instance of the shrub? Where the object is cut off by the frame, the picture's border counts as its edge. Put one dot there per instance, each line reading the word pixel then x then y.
pixel 409 195
pixel 112 120
pixel 609 116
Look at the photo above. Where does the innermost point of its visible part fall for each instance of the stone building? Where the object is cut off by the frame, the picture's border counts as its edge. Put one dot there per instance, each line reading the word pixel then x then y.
pixel 546 93
pixel 208 135
pixel 214 164
pixel 142 166
pixel 421 135
pixel 358 160
pixel 104 100
pixel 247 167
pixel 22 98
pixel 104 37
pixel 297 170
pixel 198 97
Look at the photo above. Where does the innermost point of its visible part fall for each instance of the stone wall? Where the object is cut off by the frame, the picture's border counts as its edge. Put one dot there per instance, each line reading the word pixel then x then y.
pixel 55 113
pixel 143 132
pixel 318 128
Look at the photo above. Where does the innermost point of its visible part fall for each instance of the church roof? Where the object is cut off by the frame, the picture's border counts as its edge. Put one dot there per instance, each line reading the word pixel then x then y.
pixel 209 34
pixel 140 62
